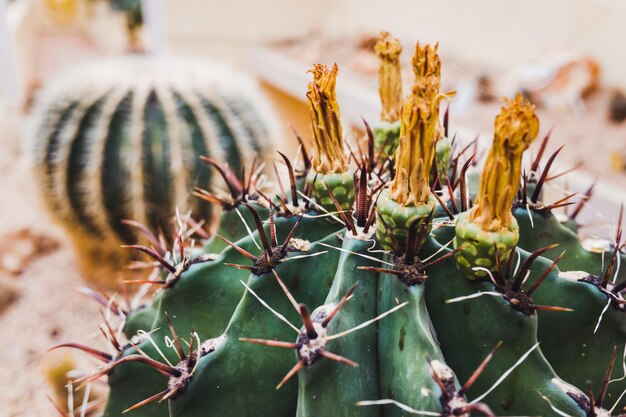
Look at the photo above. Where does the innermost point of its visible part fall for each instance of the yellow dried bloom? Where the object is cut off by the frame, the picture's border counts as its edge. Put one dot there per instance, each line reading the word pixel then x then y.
pixel 516 127
pixel 419 131
pixel 329 154
pixel 388 50
pixel 426 63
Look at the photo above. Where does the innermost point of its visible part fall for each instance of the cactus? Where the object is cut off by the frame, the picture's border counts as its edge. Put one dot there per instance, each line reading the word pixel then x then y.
pixel 360 296
pixel 124 141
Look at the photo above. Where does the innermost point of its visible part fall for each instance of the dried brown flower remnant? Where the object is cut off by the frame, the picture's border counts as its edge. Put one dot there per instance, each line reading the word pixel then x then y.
pixel 516 127
pixel 388 50
pixel 426 63
pixel 329 154
pixel 419 131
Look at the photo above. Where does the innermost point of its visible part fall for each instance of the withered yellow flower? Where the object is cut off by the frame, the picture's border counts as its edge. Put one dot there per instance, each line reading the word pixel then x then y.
pixel 516 127
pixel 419 131
pixel 329 156
pixel 388 50
pixel 426 63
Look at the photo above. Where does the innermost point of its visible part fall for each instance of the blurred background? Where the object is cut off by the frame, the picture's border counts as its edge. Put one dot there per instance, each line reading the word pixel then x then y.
pixel 566 55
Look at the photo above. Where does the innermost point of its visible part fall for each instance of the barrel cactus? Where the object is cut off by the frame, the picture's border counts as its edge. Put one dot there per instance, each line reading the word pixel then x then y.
pixel 123 140
pixel 309 304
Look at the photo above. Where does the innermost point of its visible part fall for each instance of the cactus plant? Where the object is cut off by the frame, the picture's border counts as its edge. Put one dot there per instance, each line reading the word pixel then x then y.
pixel 123 141
pixel 402 323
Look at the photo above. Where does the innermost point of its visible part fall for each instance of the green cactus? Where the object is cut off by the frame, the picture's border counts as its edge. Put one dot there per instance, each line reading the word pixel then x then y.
pixel 403 323
pixel 123 140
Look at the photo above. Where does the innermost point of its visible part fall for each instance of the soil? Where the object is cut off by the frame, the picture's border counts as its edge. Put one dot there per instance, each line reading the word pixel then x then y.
pixel 39 305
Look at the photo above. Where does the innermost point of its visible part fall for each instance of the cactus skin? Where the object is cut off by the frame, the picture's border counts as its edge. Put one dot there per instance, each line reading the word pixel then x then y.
pixel 234 361
pixel 479 247
pixel 546 229
pixel 406 339
pixel 213 284
pixel 111 146
pixel 399 218
pixel 588 348
pixel 443 156
pixel 485 322
pixel 330 388
pixel 386 137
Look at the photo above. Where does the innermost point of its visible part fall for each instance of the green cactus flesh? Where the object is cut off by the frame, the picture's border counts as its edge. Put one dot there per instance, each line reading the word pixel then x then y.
pixel 341 186
pixel 399 218
pixel 591 333
pixel 487 321
pixel 479 248
pixel 443 156
pixel 406 343
pixel 538 230
pixel 326 387
pixel 386 137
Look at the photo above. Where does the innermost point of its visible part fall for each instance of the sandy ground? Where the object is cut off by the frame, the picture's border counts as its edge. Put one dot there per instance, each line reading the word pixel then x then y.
pixel 45 308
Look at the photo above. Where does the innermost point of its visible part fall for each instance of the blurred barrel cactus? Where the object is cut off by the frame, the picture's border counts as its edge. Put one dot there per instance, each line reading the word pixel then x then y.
pixel 123 140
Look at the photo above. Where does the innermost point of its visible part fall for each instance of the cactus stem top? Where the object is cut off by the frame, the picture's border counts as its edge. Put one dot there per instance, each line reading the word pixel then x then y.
pixel 419 130
pixel 516 127
pixel 388 50
pixel 329 154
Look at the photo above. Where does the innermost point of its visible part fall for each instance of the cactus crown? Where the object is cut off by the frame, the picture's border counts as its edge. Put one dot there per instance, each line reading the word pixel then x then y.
pixel 419 130
pixel 329 155
pixel 516 127
pixel 388 50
